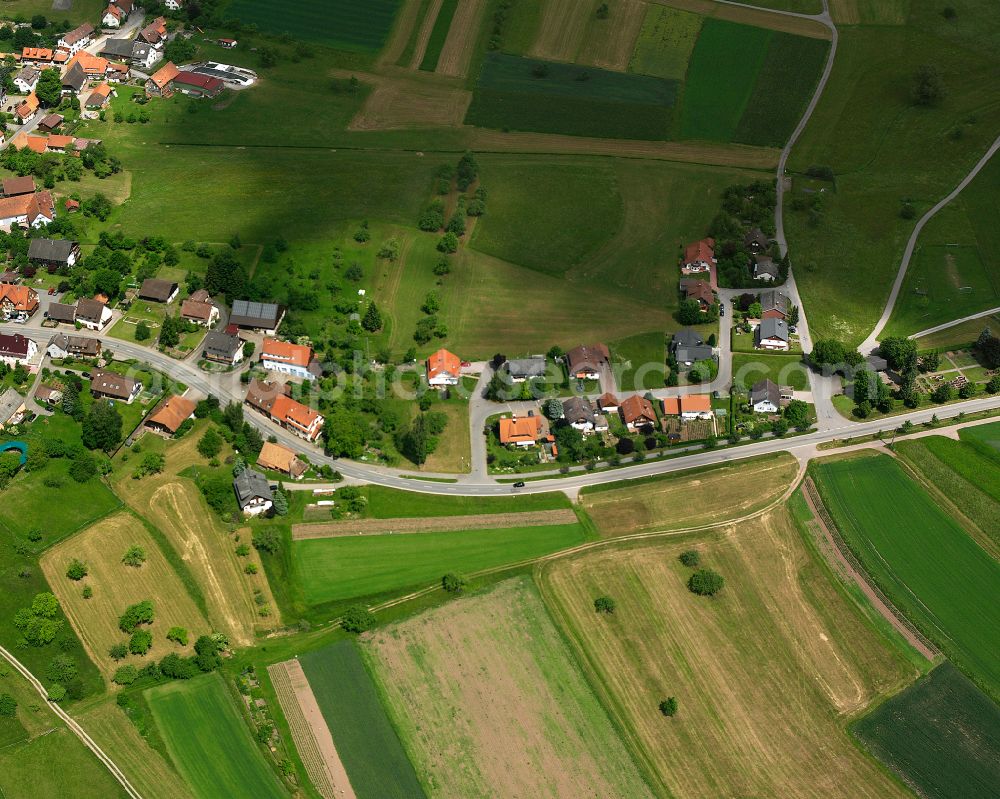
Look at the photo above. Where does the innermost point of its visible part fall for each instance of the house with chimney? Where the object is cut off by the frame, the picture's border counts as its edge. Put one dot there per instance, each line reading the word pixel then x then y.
pixel 699 257
pixel 637 411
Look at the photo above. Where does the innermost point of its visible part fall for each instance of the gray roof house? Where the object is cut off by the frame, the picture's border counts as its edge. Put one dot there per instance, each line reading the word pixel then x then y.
pixel 223 347
pixel 54 252
pixel 688 346
pixel 61 312
pixel 765 397
pixel 11 408
pixel 256 315
pixel 771 334
pixel 252 492
pixel 158 290
pixel 766 269
pixel 525 368
pixel 117 49
pixel 75 79
pixel 579 413
pixel 773 302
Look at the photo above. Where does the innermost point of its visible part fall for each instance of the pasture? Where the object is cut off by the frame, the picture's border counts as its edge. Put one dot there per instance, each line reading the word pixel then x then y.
pixel 691 498
pixel 376 762
pixel 485 693
pixel 721 76
pixel 665 42
pixel 337 569
pixel 941 736
pixel 640 361
pixel 765 673
pixel 914 551
pixel 887 150
pixel 964 334
pixel 967 476
pixel 116 586
pixel 209 741
pixel 785 370
pixel 390 503
pixel 341 24
pixel 515 93
pixel 175 506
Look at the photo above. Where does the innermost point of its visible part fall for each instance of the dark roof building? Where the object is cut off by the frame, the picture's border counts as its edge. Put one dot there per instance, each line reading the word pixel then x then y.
pixel 197 85
pixel 221 346
pixel 579 412
pixel 251 488
pixel 14 187
pixel 774 303
pixel 256 315
pixel 15 346
pixel 61 252
pixel 157 290
pixel 765 391
pixel 75 78
pixel 111 385
pixel 525 368
pixel 61 312
pixel 587 359
pixel 117 48
pixel 91 311
pixel 688 346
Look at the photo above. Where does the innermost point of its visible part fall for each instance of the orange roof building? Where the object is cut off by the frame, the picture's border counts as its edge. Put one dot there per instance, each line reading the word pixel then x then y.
pixel 93 65
pixel 159 83
pixel 523 431
pixel 28 107
pixel 58 143
pixel 699 256
pixel 688 406
pixel 27 209
pixel 300 419
pixel 280 459
pixel 444 369
pixel 34 143
pixel 99 97
pixel 171 415
pixel 287 358
pixel 637 411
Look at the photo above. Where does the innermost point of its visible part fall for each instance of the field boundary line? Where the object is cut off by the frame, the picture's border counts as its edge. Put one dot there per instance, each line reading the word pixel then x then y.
pixel 436 524
pixel 882 604
pixel 74 727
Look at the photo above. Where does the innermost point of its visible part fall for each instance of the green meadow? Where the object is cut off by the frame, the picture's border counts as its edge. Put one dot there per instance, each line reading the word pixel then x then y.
pixel 923 560
pixel 343 24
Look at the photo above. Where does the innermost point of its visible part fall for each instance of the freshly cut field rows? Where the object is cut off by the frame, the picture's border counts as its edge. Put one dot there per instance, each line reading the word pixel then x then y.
pixel 462 37
pixel 439 524
pixel 921 558
pixel 116 586
pixel 491 703
pixel 564 23
pixel 764 673
pixel 209 741
pixel 941 736
pixel 366 742
pixel 438 34
pixel 706 496
pixel 310 735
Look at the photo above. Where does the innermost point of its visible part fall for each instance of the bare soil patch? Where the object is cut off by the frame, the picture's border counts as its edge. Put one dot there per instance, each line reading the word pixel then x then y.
pixel 766 673
pixel 609 42
pixel 396 104
pixel 750 16
pixel 563 26
pixel 116 586
pixel 439 524
pixel 485 694
pixel 708 497
pixel 462 37
pixel 310 734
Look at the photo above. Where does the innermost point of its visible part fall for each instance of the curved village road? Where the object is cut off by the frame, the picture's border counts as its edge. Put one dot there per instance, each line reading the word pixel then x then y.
pixel 75 728
pixel 228 389
pixel 870 343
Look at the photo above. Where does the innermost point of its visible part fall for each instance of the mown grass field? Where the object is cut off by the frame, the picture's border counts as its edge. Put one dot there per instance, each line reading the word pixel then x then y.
pixel 959 336
pixel 208 740
pixel 176 508
pixel 55 764
pixel 149 771
pixel 984 437
pixel 953 272
pixel 641 360
pixel 515 93
pixel 922 559
pixel 969 477
pixel 332 569
pixel 887 150
pixel 765 674
pixel 721 75
pixel 439 33
pixel 785 370
pixel 665 42
pixel 341 24
pixel 941 736
pixel 390 503
pixel 690 498
pixel 485 693
pixel 369 747
pixel 116 586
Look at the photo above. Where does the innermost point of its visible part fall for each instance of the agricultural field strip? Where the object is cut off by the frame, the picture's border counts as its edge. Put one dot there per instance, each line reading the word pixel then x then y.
pixel 463 33
pixel 310 734
pixel 424 34
pixel 801 25
pixel 74 727
pixel 437 524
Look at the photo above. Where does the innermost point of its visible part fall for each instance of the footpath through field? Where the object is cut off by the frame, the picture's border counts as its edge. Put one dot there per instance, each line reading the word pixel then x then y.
pixel 437 524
